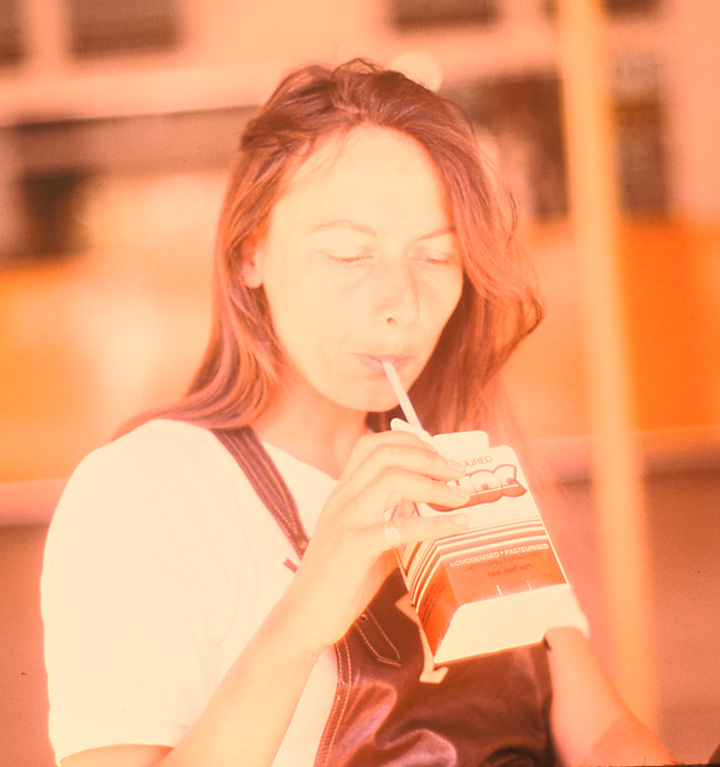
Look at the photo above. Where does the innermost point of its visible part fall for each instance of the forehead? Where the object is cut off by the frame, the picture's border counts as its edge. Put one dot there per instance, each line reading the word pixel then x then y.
pixel 365 171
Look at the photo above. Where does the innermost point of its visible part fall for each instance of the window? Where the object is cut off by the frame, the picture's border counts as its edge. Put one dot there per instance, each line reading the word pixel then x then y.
pixel 12 42
pixel 99 27
pixel 407 14
pixel 51 227
pixel 630 6
pixel 524 117
pixel 614 8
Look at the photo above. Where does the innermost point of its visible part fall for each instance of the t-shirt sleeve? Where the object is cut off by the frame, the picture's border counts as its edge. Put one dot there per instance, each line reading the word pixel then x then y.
pixel 127 575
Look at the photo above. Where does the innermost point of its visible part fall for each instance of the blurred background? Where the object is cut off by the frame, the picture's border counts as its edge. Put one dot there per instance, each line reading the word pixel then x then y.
pixel 118 122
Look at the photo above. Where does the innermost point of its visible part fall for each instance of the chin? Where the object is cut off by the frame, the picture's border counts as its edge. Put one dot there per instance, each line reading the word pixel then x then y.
pixel 379 404
pixel 366 399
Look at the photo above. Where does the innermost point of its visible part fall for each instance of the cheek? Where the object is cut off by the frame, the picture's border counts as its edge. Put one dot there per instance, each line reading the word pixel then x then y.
pixel 305 322
pixel 446 297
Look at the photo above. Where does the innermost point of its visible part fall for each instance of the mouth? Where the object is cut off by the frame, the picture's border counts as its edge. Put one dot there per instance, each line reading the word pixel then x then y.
pixel 374 363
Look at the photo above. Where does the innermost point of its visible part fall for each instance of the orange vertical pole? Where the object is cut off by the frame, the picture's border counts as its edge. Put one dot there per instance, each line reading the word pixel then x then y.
pixel 619 495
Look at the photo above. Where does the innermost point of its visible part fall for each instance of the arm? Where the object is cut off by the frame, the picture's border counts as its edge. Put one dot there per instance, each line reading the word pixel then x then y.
pixel 590 723
pixel 249 713
pixel 246 717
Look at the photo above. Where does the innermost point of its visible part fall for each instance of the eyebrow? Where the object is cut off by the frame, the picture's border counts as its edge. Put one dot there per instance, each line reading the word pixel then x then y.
pixel 343 223
pixel 438 233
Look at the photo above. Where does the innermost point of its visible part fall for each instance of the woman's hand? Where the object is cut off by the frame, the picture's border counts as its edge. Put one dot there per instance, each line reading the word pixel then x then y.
pixel 346 560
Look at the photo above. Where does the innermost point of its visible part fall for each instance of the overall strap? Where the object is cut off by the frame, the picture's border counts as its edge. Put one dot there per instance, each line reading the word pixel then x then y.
pixel 245 447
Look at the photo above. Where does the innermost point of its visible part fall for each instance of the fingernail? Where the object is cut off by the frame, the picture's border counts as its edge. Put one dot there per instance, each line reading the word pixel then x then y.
pixel 461 520
pixel 457 465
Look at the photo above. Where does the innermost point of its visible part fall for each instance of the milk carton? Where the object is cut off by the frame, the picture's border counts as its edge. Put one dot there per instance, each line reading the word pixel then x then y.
pixel 498 584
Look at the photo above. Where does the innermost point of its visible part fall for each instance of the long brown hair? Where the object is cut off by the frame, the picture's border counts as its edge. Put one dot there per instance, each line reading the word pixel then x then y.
pixel 239 375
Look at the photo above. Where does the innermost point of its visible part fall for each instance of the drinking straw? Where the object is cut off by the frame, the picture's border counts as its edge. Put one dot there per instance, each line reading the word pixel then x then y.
pixel 405 405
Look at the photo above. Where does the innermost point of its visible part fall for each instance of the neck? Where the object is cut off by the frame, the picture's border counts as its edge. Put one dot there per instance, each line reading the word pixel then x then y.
pixel 325 443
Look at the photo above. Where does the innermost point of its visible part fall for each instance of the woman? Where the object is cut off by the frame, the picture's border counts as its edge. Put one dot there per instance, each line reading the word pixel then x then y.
pixel 187 626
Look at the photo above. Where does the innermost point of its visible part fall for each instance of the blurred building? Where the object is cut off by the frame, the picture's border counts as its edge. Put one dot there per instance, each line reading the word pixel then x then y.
pixel 118 121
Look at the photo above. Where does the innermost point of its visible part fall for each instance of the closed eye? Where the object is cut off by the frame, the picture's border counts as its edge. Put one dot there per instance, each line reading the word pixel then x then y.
pixel 434 255
pixel 353 255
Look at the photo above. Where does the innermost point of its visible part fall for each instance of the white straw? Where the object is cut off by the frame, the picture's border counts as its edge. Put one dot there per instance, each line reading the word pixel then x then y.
pixel 402 397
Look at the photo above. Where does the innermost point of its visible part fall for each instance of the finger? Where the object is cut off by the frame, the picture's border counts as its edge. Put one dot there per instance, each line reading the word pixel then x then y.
pixel 396 487
pixel 385 467
pixel 369 443
pixel 366 512
pixel 415 528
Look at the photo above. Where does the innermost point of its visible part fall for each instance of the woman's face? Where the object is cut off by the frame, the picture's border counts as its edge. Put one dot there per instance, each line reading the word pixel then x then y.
pixel 359 265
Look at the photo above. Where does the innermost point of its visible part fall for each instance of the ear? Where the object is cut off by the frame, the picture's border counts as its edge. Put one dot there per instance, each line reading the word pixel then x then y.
pixel 251 268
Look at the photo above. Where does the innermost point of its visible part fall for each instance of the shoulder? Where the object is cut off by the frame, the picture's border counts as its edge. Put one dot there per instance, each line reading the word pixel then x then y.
pixel 162 477
pixel 157 457
pixel 156 446
pixel 162 502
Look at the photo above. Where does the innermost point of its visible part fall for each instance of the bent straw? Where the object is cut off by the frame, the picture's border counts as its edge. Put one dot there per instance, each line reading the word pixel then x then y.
pixel 405 405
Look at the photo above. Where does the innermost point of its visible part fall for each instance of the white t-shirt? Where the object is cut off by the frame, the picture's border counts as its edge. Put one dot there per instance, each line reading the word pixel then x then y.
pixel 161 562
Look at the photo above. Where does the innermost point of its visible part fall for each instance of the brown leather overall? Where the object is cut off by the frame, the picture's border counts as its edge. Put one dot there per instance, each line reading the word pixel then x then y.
pixel 391 706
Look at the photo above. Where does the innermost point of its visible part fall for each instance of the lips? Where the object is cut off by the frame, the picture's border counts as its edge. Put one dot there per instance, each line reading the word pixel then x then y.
pixel 374 362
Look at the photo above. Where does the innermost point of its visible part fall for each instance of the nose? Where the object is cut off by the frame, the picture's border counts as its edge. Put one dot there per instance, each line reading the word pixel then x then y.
pixel 395 292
